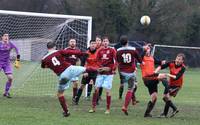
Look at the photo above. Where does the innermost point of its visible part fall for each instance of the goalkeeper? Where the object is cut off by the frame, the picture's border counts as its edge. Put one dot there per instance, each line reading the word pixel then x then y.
pixel 5 48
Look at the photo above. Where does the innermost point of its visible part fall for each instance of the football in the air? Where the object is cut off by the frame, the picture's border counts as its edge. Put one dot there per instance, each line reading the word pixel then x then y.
pixel 145 20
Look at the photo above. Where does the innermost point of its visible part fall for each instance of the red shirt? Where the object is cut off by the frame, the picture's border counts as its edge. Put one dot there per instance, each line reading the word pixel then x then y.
pixel 106 57
pixel 55 60
pixel 92 59
pixel 148 67
pixel 178 71
pixel 126 58
pixel 72 58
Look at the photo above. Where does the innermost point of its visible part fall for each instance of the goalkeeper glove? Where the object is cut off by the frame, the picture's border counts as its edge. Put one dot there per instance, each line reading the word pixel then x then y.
pixel 17 62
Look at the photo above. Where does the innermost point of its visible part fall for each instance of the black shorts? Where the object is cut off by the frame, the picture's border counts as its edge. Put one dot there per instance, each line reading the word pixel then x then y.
pixel 151 82
pixel 173 90
pixel 91 76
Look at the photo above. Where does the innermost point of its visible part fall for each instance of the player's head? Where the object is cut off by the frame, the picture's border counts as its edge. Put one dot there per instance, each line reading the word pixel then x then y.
pixel 180 59
pixel 147 48
pixel 98 41
pixel 72 43
pixel 5 37
pixel 106 41
pixel 51 45
pixel 93 45
pixel 123 40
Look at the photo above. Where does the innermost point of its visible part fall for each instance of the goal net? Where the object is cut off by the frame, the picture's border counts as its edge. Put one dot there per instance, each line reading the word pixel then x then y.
pixel 169 53
pixel 30 32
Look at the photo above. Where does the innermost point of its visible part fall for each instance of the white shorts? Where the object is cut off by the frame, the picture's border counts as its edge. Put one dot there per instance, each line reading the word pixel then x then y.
pixel 70 73
pixel 104 81
pixel 75 79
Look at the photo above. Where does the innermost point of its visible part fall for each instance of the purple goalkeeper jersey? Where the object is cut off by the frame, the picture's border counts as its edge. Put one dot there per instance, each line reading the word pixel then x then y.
pixel 5 49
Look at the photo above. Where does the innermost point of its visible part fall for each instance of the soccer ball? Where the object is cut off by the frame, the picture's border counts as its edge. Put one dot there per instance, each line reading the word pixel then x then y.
pixel 145 20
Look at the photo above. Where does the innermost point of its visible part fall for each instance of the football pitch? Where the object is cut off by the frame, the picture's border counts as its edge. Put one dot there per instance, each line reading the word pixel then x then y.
pixel 34 102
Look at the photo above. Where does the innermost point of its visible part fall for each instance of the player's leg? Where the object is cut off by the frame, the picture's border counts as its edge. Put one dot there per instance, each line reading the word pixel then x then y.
pixel 166 108
pixel 129 94
pixel 8 71
pixel 153 89
pixel 8 85
pixel 75 86
pixel 93 77
pixel 98 84
pixel 89 90
pixel 84 81
pixel 63 85
pixel 163 79
pixel 100 93
pixel 173 91
pixel 121 87
pixel 107 84
pixel 134 100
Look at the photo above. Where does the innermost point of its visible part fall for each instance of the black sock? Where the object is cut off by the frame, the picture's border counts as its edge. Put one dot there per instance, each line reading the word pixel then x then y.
pixel 171 104
pixel 89 89
pixel 79 94
pixel 166 109
pixel 121 90
pixel 150 106
pixel 100 91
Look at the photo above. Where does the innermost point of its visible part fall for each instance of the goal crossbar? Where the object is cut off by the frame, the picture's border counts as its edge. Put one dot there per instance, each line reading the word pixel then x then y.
pixel 170 46
pixel 45 15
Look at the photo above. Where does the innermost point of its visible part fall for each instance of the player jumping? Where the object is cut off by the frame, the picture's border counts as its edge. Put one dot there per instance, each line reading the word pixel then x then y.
pixel 126 58
pixel 55 60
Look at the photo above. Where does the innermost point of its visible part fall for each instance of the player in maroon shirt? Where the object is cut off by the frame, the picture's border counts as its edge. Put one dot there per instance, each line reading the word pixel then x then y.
pixel 73 59
pixel 55 60
pixel 106 59
pixel 126 58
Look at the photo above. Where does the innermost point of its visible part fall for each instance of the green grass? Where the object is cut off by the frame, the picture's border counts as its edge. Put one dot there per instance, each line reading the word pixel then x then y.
pixel 34 102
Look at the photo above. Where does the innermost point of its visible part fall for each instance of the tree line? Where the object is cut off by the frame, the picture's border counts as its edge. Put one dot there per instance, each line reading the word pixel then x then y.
pixel 173 22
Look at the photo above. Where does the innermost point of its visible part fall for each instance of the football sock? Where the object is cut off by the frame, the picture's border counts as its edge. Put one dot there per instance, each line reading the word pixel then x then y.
pixel 128 98
pixel 133 96
pixel 172 105
pixel 121 90
pixel 79 93
pixel 7 87
pixel 94 99
pixel 89 89
pixel 74 92
pixel 166 109
pixel 150 106
pixel 100 91
pixel 108 101
pixel 63 103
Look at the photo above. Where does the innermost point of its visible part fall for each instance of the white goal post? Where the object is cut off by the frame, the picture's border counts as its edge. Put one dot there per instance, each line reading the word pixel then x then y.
pixel 28 29
pixel 30 32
